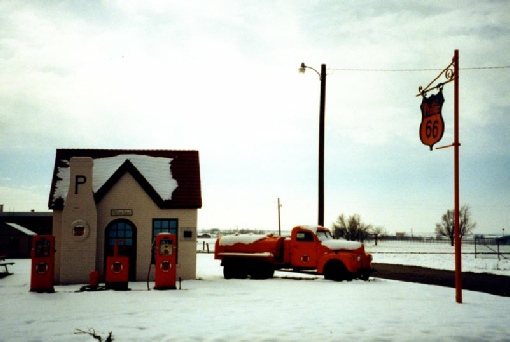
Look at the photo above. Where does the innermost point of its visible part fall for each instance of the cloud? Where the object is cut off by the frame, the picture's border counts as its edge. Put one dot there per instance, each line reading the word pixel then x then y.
pixel 221 77
pixel 23 199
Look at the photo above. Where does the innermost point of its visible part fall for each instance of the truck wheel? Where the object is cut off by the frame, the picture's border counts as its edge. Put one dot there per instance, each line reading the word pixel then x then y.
pixel 365 276
pixel 270 273
pixel 262 272
pixel 335 270
pixel 228 272
pixel 241 273
pixel 234 271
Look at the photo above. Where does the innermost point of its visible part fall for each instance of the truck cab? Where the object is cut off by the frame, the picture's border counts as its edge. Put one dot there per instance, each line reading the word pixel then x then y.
pixel 313 247
pixel 304 248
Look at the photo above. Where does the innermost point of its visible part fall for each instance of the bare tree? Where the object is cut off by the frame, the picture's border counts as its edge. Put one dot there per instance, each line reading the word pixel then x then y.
pixel 351 228
pixel 92 333
pixel 446 226
pixel 377 233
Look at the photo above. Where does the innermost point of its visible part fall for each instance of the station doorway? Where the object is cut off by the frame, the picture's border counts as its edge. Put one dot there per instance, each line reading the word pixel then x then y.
pixel 122 232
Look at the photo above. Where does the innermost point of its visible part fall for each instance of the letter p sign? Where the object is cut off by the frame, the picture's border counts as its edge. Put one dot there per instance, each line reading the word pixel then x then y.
pixel 80 179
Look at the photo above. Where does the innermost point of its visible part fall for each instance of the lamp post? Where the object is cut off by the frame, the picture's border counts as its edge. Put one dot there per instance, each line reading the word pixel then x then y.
pixel 279 225
pixel 322 77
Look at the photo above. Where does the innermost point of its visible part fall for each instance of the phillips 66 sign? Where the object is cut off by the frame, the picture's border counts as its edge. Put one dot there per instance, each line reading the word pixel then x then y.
pixel 432 124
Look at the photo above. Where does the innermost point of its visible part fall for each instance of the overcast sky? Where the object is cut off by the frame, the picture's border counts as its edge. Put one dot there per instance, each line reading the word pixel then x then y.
pixel 221 77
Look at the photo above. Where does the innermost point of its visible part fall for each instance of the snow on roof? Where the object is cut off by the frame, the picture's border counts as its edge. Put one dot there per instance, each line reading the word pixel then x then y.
pixel 230 240
pixel 156 171
pixel 336 245
pixel 21 229
pixel 310 227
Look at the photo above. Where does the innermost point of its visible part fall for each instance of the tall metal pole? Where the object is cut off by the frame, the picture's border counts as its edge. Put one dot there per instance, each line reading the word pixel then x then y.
pixel 322 76
pixel 321 144
pixel 279 226
pixel 456 145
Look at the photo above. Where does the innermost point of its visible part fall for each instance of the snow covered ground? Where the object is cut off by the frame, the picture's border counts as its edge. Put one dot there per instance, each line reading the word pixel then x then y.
pixel 290 307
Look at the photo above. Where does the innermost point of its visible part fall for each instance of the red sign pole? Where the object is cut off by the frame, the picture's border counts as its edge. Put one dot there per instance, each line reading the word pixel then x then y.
pixel 456 145
pixel 431 133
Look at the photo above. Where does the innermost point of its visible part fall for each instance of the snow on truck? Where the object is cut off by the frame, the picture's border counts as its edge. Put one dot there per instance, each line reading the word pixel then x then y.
pixel 308 248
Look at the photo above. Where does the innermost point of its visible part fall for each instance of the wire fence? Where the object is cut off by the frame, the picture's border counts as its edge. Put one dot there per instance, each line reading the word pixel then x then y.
pixel 492 248
pixel 479 246
pixel 409 239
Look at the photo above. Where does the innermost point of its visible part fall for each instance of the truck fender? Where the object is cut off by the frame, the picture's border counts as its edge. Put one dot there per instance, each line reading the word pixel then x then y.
pixel 322 261
pixel 346 259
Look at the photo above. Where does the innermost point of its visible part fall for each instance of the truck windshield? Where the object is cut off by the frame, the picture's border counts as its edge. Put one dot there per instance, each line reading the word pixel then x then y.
pixel 323 235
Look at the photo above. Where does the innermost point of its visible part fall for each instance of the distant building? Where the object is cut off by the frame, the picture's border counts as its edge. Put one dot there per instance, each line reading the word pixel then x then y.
pixel 102 197
pixel 15 240
pixel 17 229
pixel 40 223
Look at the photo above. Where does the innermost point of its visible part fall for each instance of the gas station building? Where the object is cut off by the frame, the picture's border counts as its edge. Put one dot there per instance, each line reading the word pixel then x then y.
pixel 103 197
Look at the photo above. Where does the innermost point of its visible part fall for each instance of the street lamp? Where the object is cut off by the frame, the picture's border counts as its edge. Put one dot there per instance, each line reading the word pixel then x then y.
pixel 279 225
pixel 322 77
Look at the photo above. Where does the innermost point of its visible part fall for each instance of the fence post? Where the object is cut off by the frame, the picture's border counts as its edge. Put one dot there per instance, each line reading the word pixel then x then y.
pixel 475 245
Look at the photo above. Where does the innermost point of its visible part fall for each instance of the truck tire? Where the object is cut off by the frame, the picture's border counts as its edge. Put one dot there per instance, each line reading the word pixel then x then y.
pixel 365 276
pixel 335 270
pixel 262 271
pixel 228 272
pixel 233 270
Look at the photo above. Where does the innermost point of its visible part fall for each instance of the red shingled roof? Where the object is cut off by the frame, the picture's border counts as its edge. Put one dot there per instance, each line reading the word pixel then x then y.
pixel 184 167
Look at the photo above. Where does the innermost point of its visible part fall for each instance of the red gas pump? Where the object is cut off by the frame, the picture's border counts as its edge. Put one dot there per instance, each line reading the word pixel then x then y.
pixel 117 270
pixel 43 263
pixel 165 261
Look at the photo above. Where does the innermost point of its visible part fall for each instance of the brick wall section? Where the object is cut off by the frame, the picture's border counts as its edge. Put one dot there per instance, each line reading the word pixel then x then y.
pixel 57 232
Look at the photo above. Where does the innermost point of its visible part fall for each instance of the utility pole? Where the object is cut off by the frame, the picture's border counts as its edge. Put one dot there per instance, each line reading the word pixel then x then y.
pixel 279 226
pixel 322 119
pixel 321 144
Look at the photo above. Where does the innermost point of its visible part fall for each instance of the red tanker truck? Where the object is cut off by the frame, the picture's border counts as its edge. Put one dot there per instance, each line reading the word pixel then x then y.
pixel 308 248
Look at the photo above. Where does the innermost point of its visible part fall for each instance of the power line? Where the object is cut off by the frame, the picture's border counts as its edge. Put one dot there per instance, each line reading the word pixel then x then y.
pixel 414 70
pixel 491 67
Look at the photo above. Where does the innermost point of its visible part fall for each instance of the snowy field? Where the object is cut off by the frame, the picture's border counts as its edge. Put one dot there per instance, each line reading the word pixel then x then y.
pixel 437 255
pixel 290 307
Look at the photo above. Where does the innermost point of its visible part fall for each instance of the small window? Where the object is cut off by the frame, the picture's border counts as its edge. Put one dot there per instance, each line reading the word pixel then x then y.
pixel 166 247
pixel 79 230
pixel 42 248
pixel 188 234
pixel 164 226
pixel 304 237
